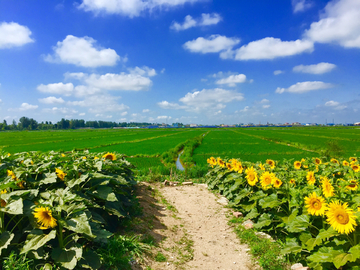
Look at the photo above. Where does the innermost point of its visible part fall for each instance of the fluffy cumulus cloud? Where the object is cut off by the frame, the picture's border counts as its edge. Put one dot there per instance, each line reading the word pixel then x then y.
pixel 63 110
pixel 130 8
pixel 25 107
pixel 339 23
pixel 269 48
pixel 204 100
pixel 14 35
pixel 303 87
pixel 213 44
pixel 100 103
pixel 278 72
pixel 301 5
pixel 57 88
pixel 82 52
pixel 189 22
pixel 335 105
pixel 315 69
pixel 51 100
pixel 232 80
pixel 111 81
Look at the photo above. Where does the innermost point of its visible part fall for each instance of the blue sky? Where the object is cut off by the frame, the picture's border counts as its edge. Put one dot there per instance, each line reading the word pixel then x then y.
pixel 189 61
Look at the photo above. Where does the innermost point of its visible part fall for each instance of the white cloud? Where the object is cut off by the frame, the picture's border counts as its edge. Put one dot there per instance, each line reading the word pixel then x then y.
pixel 145 110
pixel 57 88
pixel 51 100
pixel 331 103
pixel 301 5
pixel 213 44
pixel 130 8
pixel 82 114
pixel 25 107
pixel 278 72
pixel 204 100
pixel 81 52
pixel 143 71
pixel 14 35
pixel 63 110
pixel 339 23
pixel 110 81
pixel 124 113
pixel 303 87
pixel 205 20
pixel 266 106
pixel 100 104
pixel 232 80
pixel 269 48
pixel 315 69
pixel 264 101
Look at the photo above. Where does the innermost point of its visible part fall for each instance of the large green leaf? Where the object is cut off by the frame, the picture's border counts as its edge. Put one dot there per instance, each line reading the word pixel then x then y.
pixel 252 214
pixel 264 220
pixel 105 193
pixel 325 254
pixel 270 201
pixel 49 179
pixel 68 258
pixel 343 258
pixel 299 224
pixel 5 240
pixel 291 246
pixel 37 239
pixel 80 224
pixel 257 195
pixel 78 181
pixel 90 260
pixel 13 207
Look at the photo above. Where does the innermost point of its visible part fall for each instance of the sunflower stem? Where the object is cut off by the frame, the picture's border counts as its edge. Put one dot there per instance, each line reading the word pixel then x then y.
pixel 2 222
pixel 60 236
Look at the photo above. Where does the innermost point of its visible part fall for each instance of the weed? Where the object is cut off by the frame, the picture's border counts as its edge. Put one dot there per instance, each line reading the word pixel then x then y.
pixel 159 257
pixel 17 262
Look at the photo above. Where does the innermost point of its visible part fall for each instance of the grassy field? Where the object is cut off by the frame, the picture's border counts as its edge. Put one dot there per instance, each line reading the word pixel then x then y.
pixel 251 144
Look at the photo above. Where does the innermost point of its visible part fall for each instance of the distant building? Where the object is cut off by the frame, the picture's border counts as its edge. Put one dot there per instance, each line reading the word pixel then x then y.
pixel 193 125
pixel 357 124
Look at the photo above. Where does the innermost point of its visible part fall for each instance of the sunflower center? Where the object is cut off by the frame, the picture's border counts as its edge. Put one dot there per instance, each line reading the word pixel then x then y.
pixel 267 180
pixel 316 204
pixel 342 217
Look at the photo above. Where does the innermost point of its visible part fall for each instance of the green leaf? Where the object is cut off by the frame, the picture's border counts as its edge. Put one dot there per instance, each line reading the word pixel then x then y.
pixel 105 193
pixel 257 195
pixel 299 224
pixel 342 259
pixel 98 165
pixel 325 254
pixel 80 224
pixel 75 182
pixel 49 179
pixel 68 258
pixel 270 201
pixel 248 207
pixel 90 261
pixel 291 246
pixel 5 240
pixel 355 251
pixel 252 214
pixel 37 239
pixel 242 194
pixel 264 220
pixel 290 218
pixel 13 207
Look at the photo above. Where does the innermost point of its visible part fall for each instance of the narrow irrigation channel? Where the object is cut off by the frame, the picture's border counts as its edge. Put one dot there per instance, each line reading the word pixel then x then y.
pixel 179 166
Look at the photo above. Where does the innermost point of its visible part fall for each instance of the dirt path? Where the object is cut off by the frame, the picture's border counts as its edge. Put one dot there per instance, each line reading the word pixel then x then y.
pixel 193 231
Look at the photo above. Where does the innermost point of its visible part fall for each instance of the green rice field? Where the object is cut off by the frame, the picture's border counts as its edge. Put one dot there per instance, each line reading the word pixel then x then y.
pixel 251 144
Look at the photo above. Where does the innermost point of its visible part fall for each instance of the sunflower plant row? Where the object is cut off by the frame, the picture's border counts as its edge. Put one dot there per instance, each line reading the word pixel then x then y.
pixel 311 205
pixel 57 208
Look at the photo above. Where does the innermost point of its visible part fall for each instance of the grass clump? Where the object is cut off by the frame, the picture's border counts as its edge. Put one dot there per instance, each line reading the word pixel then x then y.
pixel 266 253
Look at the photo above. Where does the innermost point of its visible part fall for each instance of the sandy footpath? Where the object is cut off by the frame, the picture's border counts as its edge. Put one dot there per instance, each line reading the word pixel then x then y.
pixel 215 244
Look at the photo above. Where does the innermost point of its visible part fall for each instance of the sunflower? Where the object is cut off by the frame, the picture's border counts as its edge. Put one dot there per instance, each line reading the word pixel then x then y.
pixel 345 163
pixel 44 217
pixel 352 159
pixel 315 205
pixel 292 181
pixel 62 155
pixel 310 177
pixel 238 167
pixel 340 217
pixel 262 167
pixel 317 161
pixel 213 161
pixel 271 163
pixel 110 156
pixel 220 162
pixel 60 174
pixel 95 158
pixel 3 202
pixel 266 179
pixel 12 174
pixel 276 182
pixel 229 166
pixel 8 154
pixel 353 185
pixel 84 158
pixel 297 165
pixel 251 176
pixel 327 188
pixel 335 161
pixel 355 167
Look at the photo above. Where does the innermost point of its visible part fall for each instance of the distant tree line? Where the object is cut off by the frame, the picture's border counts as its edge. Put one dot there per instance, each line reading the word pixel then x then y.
pixel 26 123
